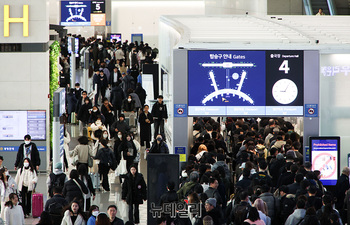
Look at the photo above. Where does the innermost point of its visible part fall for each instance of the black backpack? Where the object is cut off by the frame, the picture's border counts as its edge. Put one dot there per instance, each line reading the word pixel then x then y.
pixel 55 208
pixel 240 213
pixel 56 181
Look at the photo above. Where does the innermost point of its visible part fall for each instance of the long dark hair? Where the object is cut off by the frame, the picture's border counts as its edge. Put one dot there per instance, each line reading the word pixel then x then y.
pixel 10 203
pixel 45 218
pixel 2 177
pixel 102 219
pixel 92 208
pixel 80 211
pixel 30 165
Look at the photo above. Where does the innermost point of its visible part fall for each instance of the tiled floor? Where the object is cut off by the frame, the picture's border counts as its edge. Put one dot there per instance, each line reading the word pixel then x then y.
pixel 103 199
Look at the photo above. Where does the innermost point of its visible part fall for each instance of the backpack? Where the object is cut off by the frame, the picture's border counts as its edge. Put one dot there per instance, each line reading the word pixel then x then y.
pixel 191 190
pixel 241 213
pixel 56 181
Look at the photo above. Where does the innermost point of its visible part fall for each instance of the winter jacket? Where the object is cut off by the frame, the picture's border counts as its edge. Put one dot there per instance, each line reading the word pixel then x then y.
pixel 117 96
pixel 33 178
pixel 34 155
pixel 122 126
pixel 128 106
pixel 68 221
pixel 83 152
pixel 162 147
pixel 297 216
pixel 106 156
pixel 134 189
pixel 169 196
pixel 55 199
pixel 159 111
pixel 271 202
pixel 71 190
pixel 214 193
pixel 185 189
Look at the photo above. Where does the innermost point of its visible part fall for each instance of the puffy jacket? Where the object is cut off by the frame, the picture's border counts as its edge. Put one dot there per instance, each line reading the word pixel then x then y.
pixel 106 156
pixel 296 217
pixel 271 202
pixel 71 190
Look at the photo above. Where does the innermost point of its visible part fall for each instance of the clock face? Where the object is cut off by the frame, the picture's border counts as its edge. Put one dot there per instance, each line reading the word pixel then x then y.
pixel 284 91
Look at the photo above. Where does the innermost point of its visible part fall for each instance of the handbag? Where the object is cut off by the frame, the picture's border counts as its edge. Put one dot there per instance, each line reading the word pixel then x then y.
pixel 90 159
pixel 75 160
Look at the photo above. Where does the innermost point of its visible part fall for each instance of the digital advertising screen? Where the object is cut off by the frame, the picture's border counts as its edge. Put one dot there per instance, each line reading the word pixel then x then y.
pixel 15 124
pixel 98 19
pixel 325 153
pixel 252 83
pixel 116 37
pixel 98 7
pixel 75 13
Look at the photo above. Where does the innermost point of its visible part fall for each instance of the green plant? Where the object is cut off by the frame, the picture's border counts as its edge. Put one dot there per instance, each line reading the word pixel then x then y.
pixel 54 78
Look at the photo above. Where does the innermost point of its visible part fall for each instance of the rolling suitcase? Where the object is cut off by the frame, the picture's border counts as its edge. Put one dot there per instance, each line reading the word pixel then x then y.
pixel 37 204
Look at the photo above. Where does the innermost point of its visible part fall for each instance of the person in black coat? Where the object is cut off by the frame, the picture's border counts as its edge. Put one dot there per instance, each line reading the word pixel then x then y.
pixel 141 93
pixel 117 96
pixel 80 102
pixel 145 120
pixel 159 146
pixel 29 150
pixel 77 91
pixel 128 105
pixel 342 186
pixel 246 182
pixel 84 176
pixel 120 126
pixel 107 162
pixel 128 148
pixel 95 114
pixel 71 103
pixel 71 189
pixel 84 112
pixel 57 199
pixel 107 109
pixel 160 115
pixel 170 195
pixel 117 154
pixel 134 192
pixel 102 84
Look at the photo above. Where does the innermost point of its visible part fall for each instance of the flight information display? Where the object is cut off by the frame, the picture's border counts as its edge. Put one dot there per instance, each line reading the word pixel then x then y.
pixel 254 83
pixel 75 13
pixel 98 7
pixel 325 153
pixel 15 124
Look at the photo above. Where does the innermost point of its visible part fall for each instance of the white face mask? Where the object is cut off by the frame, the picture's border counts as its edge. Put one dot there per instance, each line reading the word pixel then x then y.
pixel 120 136
pixel 98 122
pixel 77 88
pixel 129 99
pixel 26 164
pixel 105 136
pixel 27 142
pixel 95 213
pixel 95 110
pixel 7 173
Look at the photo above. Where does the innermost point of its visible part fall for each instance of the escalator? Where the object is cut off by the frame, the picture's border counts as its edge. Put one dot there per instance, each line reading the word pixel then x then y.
pixel 312 7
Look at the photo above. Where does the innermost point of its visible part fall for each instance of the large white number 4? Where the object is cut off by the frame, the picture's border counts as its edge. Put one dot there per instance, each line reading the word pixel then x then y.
pixel 284 67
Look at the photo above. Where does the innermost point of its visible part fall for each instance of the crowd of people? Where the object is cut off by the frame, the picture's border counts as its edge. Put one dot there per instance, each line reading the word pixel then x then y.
pixel 251 171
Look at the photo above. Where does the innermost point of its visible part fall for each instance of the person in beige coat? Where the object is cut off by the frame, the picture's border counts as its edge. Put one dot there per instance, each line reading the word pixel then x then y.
pixel 82 151
pixel 26 179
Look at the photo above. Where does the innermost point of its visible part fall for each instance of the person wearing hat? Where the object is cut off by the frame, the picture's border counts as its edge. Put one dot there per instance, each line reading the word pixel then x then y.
pixel 56 179
pixel 212 211
pixel 120 126
pixel 160 115
pixel 134 192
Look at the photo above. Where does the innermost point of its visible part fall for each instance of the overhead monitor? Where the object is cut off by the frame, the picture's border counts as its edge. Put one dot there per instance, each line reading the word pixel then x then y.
pixel 136 37
pixel 98 7
pixel 325 157
pixel 251 83
pixel 75 13
pixel 116 37
pixel 15 124
pixel 98 19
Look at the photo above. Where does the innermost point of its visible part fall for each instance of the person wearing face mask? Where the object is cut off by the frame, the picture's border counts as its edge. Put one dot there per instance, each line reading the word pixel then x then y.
pixel 128 105
pixel 84 115
pixel 95 114
pixel 107 162
pixel 107 110
pixel 100 81
pixel 97 126
pixel 120 126
pixel 78 91
pixel 56 178
pixel 159 146
pixel 29 150
pixel 26 179
pixel 118 141
pixel 93 213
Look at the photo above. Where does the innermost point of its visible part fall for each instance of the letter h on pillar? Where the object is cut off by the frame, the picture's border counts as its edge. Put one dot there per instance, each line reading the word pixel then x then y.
pixel 8 20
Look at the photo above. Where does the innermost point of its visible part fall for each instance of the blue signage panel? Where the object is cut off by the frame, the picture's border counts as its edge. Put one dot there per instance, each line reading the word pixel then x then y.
pixel 307 154
pixel 75 13
pixel 180 150
pixel 15 148
pixel 180 110
pixel 325 153
pixel 311 110
pixel 260 83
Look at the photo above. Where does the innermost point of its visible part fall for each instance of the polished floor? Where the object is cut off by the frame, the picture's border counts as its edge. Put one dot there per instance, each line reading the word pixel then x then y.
pixel 103 199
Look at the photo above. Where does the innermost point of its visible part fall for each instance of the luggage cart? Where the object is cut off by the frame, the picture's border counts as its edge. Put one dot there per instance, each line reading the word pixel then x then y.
pixel 131 119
